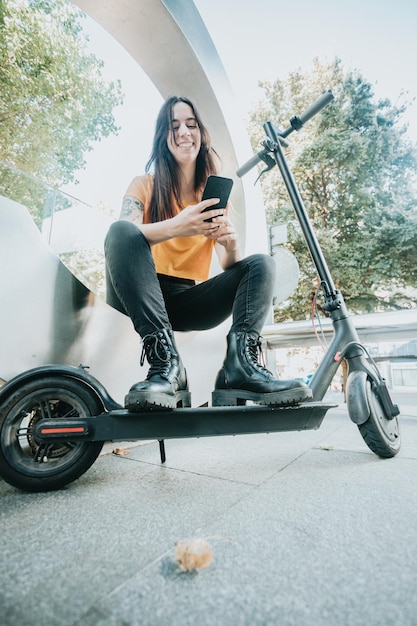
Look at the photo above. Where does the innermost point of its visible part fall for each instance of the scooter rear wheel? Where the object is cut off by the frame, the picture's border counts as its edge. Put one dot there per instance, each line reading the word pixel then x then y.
pixel 381 435
pixel 34 466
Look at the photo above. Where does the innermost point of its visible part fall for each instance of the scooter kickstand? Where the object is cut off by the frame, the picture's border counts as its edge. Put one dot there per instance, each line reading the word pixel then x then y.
pixel 162 450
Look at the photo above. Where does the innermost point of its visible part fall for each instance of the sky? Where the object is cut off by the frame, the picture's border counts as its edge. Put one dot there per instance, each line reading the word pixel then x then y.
pixel 257 40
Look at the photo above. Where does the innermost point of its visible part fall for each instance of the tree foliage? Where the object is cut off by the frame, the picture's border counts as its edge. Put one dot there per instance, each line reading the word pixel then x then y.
pixel 54 101
pixel 356 171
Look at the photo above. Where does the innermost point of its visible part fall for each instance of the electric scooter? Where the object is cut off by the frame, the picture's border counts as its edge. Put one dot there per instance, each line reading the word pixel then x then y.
pixel 55 419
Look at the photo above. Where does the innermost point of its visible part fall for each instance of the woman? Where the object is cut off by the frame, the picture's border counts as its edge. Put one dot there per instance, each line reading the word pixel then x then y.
pixel 158 259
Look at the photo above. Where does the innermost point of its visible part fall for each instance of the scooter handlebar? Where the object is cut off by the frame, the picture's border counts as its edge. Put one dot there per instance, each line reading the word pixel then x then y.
pixel 246 167
pixel 296 123
pixel 321 102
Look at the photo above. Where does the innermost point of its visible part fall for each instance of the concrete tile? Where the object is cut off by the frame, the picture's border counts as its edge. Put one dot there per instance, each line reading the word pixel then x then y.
pixel 69 548
pixel 306 528
pixel 327 540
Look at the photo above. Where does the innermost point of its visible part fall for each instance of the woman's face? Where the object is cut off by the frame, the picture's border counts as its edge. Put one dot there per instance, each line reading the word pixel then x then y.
pixel 184 141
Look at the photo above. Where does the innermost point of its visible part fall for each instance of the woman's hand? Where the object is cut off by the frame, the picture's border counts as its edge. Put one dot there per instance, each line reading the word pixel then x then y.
pixel 192 221
pixel 224 232
pixel 225 235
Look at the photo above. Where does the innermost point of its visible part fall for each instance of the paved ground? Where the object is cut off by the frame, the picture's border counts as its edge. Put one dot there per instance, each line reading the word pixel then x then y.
pixel 306 528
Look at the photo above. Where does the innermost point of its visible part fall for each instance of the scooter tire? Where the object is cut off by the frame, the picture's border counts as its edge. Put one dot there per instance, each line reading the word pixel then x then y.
pixel 26 463
pixel 381 435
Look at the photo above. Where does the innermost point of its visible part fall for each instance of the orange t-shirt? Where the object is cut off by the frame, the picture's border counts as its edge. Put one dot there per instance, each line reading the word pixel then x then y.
pixel 183 257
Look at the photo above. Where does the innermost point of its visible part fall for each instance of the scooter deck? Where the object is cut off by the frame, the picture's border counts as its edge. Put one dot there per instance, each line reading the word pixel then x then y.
pixel 120 425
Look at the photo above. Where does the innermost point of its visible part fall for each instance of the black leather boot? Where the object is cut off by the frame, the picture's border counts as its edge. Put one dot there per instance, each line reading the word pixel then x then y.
pixel 166 385
pixel 243 378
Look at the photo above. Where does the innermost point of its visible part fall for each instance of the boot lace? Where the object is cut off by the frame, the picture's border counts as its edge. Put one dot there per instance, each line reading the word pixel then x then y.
pixel 156 350
pixel 255 353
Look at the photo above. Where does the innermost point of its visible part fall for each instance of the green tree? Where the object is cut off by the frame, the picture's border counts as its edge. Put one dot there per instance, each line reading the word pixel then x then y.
pixel 356 170
pixel 54 101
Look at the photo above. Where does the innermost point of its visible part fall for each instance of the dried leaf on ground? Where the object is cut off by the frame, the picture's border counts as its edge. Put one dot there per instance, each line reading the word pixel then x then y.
pixel 193 554
pixel 120 451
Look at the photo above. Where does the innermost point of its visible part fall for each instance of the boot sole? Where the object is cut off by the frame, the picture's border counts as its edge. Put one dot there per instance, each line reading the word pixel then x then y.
pixel 144 401
pixel 239 397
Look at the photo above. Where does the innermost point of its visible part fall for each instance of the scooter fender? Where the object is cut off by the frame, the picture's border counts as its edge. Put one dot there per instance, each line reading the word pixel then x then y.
pixel 62 371
pixel 356 397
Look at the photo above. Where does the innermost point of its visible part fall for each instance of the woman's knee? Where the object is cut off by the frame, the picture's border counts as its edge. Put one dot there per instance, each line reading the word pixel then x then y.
pixel 119 230
pixel 263 263
pixel 122 233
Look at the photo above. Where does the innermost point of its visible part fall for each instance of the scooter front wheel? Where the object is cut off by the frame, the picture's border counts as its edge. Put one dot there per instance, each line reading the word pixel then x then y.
pixel 381 435
pixel 29 464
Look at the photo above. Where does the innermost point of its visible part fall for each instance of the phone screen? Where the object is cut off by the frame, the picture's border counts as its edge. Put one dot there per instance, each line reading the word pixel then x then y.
pixel 217 187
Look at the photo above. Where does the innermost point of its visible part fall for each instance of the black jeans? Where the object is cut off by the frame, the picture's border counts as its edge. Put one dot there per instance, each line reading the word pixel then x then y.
pixel 154 301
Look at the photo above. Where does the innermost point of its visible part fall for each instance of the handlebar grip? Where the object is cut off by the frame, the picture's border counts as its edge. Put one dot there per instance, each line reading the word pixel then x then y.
pixel 321 102
pixel 246 167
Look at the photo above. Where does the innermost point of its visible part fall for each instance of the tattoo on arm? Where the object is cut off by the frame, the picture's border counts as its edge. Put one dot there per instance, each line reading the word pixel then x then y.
pixel 132 210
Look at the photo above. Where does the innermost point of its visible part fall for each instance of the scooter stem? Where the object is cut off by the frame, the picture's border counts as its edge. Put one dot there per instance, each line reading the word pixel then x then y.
pixel 332 296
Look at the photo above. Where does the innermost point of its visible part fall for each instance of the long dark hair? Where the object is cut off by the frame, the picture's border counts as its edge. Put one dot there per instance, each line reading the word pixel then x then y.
pixel 167 183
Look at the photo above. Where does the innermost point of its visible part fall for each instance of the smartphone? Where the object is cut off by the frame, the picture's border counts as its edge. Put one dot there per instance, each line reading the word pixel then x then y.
pixel 217 187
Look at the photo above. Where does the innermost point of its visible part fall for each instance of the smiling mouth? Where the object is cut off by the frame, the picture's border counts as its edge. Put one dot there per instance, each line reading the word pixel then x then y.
pixel 185 144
